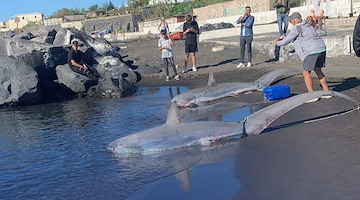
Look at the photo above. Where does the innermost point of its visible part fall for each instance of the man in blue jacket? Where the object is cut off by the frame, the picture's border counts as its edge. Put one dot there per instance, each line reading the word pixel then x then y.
pixel 246 36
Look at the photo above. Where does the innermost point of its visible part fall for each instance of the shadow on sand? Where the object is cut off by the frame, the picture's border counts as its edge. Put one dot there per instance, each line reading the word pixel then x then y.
pixel 346 84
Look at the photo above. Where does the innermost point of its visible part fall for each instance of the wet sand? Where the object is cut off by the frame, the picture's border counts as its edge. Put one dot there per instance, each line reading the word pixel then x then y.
pixel 290 160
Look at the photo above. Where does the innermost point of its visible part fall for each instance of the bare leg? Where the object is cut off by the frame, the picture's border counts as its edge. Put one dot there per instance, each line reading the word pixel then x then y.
pixel 193 59
pixel 186 61
pixel 322 78
pixel 308 81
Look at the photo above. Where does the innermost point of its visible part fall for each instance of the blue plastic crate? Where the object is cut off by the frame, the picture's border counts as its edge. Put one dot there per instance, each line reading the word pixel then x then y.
pixel 276 92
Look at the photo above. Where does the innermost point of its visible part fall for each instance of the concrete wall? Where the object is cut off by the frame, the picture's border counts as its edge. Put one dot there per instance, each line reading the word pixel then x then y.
pixel 78 25
pixel 232 8
pixel 52 21
pixel 118 23
pixel 151 25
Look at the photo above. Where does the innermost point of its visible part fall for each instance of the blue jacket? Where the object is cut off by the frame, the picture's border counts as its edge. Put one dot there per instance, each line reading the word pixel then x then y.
pixel 249 21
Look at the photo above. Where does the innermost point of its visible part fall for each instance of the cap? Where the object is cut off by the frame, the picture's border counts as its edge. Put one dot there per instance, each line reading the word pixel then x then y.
pixel 295 15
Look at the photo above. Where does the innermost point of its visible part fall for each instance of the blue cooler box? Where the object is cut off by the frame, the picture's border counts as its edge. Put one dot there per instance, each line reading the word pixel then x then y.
pixel 276 92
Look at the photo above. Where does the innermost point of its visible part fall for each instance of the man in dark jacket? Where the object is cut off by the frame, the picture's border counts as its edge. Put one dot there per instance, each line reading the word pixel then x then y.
pixel 77 64
pixel 282 10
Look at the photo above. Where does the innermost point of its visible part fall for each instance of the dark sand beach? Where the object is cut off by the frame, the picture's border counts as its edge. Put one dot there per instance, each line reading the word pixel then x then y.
pixel 290 160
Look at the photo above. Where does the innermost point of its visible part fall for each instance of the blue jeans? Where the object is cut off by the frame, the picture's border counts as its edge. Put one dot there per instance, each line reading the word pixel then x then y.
pixel 282 18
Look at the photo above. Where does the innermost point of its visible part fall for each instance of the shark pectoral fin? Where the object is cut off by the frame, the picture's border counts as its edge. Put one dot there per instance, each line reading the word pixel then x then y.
pixel 211 80
pixel 184 179
pixel 173 115
pixel 258 121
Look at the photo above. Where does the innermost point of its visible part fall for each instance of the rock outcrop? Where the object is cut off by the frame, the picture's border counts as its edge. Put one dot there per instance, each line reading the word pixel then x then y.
pixel 42 57
pixel 76 82
pixel 49 60
pixel 117 79
pixel 19 84
pixel 100 46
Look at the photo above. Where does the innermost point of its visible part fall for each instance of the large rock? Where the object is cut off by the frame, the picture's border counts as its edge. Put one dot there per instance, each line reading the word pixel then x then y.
pixel 111 87
pixel 109 66
pixel 74 81
pixel 18 83
pixel 100 46
pixel 42 57
pixel 117 79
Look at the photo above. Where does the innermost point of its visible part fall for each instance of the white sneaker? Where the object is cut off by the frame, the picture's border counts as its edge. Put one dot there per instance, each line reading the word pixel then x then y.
pixel 167 78
pixel 240 65
pixel 313 100
pixel 249 64
pixel 177 77
pixel 326 97
pixel 194 69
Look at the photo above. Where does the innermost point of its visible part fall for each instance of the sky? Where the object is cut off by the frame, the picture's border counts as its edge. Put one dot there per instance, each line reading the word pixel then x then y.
pixel 9 8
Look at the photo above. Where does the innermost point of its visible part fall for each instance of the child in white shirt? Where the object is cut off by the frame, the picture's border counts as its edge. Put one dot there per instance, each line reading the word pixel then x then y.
pixel 165 46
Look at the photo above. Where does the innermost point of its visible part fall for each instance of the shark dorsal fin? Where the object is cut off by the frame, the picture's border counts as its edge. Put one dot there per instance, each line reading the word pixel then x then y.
pixel 211 80
pixel 173 115
pixel 184 179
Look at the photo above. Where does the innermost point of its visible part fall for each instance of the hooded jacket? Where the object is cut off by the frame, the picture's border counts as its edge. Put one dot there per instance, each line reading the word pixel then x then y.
pixel 306 40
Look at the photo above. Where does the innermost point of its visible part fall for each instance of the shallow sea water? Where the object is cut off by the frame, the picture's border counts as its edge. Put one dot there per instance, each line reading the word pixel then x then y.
pixel 58 151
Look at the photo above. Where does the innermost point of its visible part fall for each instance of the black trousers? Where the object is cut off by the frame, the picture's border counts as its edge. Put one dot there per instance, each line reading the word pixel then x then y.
pixel 90 73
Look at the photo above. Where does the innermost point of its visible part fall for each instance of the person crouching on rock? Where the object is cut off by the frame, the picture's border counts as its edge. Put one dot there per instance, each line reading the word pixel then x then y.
pixel 77 64
pixel 164 45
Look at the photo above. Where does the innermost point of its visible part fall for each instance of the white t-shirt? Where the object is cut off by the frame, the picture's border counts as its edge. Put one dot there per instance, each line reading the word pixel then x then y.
pixel 165 53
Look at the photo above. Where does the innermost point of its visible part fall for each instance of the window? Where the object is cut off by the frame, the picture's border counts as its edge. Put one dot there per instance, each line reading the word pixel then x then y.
pixel 23 17
pixel 35 17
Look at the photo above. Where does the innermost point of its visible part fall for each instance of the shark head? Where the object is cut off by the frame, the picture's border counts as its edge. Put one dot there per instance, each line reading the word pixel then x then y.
pixel 124 146
pixel 184 100
pixel 119 147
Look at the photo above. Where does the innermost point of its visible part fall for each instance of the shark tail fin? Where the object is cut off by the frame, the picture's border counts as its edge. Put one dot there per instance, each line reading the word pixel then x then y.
pixel 211 80
pixel 258 121
pixel 268 78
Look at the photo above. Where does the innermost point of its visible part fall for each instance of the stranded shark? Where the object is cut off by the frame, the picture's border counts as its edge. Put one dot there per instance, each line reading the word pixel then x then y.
pixel 174 134
pixel 214 91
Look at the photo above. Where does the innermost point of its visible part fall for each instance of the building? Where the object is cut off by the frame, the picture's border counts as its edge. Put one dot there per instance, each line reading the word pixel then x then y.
pixel 22 20
pixel 3 27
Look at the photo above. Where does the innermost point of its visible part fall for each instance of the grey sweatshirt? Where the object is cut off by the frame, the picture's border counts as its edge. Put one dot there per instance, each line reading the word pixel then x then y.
pixel 306 40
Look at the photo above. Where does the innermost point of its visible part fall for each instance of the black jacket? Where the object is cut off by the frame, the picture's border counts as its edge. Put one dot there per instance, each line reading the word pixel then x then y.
pixel 356 37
